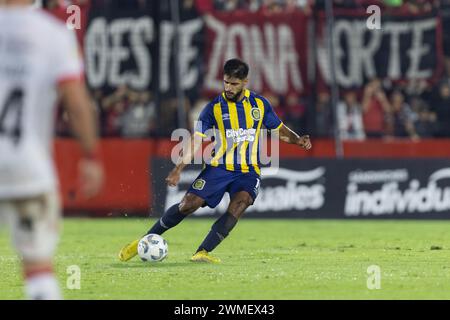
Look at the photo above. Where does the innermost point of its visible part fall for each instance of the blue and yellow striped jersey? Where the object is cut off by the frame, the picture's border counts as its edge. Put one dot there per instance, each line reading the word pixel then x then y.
pixel 236 128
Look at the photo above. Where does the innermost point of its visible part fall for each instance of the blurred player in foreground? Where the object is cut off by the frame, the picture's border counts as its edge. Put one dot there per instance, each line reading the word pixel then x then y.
pixel 39 63
pixel 235 117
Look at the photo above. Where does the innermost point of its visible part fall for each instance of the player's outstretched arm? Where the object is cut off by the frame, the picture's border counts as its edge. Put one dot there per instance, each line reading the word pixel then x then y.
pixel 84 125
pixel 185 158
pixel 289 136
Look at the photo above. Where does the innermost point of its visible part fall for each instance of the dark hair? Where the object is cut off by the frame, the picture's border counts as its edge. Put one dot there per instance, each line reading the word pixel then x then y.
pixel 236 68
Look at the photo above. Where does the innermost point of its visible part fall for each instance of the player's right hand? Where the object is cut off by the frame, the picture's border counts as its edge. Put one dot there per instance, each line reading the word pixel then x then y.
pixel 173 178
pixel 91 177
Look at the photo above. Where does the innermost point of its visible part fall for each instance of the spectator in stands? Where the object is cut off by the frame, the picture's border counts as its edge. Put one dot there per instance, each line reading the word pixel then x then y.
pixel 168 116
pixel 324 116
pixel 349 117
pixel 401 118
pixel 418 6
pixel 375 109
pixel 294 112
pixel 275 101
pixel 272 6
pixel 303 5
pixel 197 108
pixel 127 113
pixel 254 5
pixel 445 16
pixel 425 121
pixel 138 120
pixel 114 105
pixel 441 108
pixel 229 5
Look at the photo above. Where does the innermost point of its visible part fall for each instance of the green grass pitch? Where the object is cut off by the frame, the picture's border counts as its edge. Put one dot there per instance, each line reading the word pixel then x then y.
pixel 261 259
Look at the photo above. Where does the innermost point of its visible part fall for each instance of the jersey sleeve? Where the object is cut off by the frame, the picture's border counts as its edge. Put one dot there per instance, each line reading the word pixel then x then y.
pixel 270 120
pixel 205 121
pixel 67 63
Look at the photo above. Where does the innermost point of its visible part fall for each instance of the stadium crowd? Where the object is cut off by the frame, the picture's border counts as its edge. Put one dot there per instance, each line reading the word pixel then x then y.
pixel 380 109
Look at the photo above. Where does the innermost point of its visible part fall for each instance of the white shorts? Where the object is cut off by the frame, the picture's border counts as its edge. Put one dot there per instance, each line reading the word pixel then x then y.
pixel 35 225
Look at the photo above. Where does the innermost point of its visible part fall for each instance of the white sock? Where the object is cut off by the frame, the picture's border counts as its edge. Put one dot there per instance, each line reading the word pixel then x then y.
pixel 43 286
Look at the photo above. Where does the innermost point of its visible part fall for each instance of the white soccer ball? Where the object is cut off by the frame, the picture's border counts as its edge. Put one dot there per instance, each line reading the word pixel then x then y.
pixel 152 248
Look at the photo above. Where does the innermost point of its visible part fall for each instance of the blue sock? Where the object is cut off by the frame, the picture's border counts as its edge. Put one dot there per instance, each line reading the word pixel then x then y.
pixel 219 231
pixel 170 219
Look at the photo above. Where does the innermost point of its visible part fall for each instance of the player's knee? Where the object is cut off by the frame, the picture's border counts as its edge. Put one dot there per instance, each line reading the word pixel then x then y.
pixel 190 204
pixel 42 227
pixel 248 200
pixel 239 205
pixel 188 207
pixel 42 249
pixel 244 201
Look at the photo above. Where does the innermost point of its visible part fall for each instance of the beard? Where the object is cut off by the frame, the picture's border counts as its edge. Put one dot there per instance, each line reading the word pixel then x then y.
pixel 234 97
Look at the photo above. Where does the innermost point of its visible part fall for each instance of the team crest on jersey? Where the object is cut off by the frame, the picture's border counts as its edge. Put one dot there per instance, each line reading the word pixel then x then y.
pixel 199 184
pixel 256 114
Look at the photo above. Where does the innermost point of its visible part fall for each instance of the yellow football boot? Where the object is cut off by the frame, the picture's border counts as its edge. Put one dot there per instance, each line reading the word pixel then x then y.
pixel 129 251
pixel 204 256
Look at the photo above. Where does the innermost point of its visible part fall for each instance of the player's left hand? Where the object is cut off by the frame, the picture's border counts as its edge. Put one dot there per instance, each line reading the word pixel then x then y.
pixel 304 142
pixel 173 178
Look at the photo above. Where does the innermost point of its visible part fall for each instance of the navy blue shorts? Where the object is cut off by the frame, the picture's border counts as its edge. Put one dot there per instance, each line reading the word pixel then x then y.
pixel 212 183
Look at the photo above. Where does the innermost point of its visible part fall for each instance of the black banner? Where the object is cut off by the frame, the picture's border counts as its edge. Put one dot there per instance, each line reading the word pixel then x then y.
pixel 134 47
pixel 403 47
pixel 329 188
pixel 119 43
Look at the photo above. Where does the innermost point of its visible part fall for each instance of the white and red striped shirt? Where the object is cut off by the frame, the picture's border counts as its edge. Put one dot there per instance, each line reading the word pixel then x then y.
pixel 37 53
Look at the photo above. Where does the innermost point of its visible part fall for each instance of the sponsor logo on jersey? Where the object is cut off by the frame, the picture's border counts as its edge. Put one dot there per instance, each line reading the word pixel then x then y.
pixel 241 134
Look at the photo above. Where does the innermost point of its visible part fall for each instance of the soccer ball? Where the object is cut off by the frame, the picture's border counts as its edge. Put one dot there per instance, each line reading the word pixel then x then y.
pixel 152 248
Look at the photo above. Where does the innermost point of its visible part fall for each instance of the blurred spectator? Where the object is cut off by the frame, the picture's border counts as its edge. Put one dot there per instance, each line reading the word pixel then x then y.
pixel 445 18
pixel 168 116
pixel 401 118
pixel 375 109
pixel 114 105
pixel 267 6
pixel 441 107
pixel 229 5
pixel 139 119
pixel 275 101
pixel 324 116
pixel 418 6
pixel 303 5
pixel 254 5
pixel 425 120
pixel 272 6
pixel 294 113
pixel 197 108
pixel 349 117
pixel 126 113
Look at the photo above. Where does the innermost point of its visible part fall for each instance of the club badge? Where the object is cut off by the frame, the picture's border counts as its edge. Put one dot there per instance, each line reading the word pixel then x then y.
pixel 199 184
pixel 256 114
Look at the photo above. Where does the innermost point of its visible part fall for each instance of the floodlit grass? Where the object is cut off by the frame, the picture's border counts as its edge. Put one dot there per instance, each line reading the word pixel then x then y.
pixel 261 259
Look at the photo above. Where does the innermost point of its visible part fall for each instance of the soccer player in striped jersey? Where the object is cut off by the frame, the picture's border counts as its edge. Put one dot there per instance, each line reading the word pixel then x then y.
pixel 235 118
